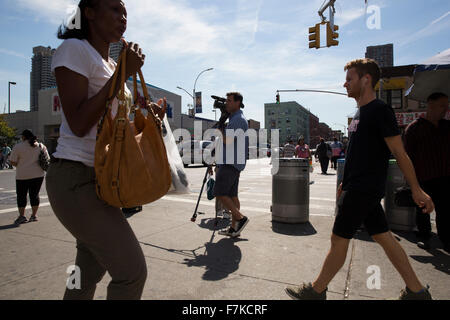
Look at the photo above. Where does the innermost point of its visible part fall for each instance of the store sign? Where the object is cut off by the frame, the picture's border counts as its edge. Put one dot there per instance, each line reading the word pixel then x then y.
pixel 404 119
pixel 56 105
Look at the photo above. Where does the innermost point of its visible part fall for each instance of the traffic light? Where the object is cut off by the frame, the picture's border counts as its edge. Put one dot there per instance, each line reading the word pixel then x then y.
pixel 332 35
pixel 314 37
pixel 278 98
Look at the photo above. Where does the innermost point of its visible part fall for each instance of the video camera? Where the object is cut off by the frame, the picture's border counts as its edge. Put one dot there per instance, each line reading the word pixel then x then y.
pixel 221 103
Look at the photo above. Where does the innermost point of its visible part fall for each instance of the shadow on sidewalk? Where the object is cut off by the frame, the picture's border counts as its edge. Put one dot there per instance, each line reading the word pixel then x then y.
pixel 220 259
pixel 9 226
pixel 300 229
pixel 439 260
pixel 210 223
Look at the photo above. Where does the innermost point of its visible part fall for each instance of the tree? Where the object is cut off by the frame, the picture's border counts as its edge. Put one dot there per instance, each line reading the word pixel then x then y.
pixel 7 134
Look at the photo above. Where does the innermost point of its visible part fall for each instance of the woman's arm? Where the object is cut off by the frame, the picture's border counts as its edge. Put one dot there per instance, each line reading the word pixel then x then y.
pixel 83 113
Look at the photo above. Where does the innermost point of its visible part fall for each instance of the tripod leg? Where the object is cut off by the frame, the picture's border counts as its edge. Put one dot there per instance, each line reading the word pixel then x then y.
pixel 194 216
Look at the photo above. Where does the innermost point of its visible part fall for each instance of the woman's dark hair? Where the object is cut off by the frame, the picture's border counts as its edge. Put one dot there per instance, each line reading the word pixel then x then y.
pixel 66 33
pixel 30 137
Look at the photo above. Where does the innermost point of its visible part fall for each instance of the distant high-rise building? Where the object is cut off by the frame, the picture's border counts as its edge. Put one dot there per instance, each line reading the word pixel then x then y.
pixel 41 76
pixel 115 49
pixel 383 55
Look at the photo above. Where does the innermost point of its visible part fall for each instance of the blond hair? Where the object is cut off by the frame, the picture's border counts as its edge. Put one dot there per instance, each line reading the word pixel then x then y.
pixel 365 66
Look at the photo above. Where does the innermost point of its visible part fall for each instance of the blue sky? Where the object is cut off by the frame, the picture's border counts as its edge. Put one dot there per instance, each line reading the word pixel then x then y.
pixel 254 46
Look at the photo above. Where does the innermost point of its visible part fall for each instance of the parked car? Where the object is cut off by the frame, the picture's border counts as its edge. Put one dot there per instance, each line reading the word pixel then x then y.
pixel 195 152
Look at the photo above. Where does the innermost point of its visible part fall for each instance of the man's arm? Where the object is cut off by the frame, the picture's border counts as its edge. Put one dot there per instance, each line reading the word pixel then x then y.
pixel 404 162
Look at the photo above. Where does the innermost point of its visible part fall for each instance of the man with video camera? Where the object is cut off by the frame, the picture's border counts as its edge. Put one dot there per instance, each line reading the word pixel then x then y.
pixel 230 166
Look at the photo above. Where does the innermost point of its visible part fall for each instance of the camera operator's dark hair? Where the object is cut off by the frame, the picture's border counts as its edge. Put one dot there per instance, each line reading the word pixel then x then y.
pixel 436 96
pixel 64 33
pixel 237 97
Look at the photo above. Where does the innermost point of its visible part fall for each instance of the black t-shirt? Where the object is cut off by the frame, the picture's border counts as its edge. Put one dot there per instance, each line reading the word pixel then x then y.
pixel 368 155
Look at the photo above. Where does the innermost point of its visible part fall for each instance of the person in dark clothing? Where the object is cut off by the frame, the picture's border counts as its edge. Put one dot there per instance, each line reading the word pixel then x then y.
pixel 322 150
pixel 374 136
pixel 427 141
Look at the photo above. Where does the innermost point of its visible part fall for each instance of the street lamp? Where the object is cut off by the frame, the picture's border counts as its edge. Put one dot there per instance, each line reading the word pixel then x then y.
pixel 195 84
pixel 9 94
pixel 182 105
pixel 186 91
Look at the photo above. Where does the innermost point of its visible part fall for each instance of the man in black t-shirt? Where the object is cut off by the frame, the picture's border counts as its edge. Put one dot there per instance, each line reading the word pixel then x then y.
pixel 374 135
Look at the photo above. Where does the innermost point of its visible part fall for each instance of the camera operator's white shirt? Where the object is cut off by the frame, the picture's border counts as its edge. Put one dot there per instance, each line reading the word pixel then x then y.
pixel 80 57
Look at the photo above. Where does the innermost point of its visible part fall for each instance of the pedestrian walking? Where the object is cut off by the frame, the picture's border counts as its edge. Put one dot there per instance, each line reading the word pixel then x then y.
pixel 4 161
pixel 322 150
pixel 289 149
pixel 336 149
pixel 302 149
pixel 29 174
pixel 427 142
pixel 83 71
pixel 375 136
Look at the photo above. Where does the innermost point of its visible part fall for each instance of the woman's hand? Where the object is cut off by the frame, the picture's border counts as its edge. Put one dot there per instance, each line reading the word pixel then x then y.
pixel 135 58
pixel 160 108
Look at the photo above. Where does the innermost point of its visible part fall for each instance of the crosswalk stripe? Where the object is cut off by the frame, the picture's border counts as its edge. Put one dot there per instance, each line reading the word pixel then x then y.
pixel 246 208
pixel 45 204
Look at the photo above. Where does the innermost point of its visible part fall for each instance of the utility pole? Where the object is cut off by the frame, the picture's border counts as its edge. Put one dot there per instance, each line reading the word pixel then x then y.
pixel 9 95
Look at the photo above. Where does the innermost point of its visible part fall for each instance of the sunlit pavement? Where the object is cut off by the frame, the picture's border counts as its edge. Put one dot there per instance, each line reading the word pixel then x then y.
pixel 189 260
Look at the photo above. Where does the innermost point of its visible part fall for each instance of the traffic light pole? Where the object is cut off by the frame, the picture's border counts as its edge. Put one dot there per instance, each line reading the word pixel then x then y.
pixel 316 91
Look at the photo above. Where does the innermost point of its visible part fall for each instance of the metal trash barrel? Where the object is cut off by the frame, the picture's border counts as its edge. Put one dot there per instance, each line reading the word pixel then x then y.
pixel 399 218
pixel 340 178
pixel 290 191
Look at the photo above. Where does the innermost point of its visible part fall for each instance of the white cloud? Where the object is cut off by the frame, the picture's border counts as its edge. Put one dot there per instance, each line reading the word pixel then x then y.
pixel 54 11
pixel 440 24
pixel 194 38
pixel 13 53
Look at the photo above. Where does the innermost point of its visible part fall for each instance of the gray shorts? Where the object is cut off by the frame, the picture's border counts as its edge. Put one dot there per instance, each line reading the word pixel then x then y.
pixel 227 181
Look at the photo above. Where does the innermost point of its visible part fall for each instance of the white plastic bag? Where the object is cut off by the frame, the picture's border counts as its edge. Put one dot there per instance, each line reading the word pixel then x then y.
pixel 180 183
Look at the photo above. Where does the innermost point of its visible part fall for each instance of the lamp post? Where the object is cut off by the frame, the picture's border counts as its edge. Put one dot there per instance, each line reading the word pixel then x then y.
pixel 195 84
pixel 182 105
pixel 9 94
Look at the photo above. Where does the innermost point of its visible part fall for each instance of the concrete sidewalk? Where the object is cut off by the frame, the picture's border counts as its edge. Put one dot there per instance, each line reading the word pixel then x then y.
pixel 191 261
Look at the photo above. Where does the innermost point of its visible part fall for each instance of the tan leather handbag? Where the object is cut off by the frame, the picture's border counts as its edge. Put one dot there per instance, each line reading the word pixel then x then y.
pixel 131 164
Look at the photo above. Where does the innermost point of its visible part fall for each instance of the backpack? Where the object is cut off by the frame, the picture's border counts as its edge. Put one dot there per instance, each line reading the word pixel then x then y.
pixel 44 159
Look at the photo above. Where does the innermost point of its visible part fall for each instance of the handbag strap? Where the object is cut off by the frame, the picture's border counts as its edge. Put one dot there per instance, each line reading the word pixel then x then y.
pixel 120 63
pixel 147 97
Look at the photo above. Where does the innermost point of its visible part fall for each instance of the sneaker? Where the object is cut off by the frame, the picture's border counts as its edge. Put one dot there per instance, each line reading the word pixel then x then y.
pixel 305 292
pixel 407 294
pixel 227 232
pixel 424 244
pixel 226 215
pixel 241 224
pixel 21 220
pixel 32 219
